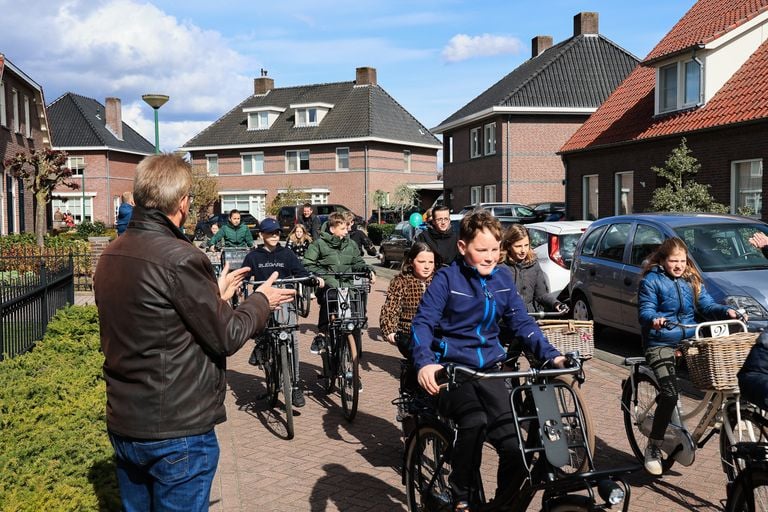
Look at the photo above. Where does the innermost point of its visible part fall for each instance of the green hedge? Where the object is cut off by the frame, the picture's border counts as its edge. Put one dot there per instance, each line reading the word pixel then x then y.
pixel 55 451
pixel 378 232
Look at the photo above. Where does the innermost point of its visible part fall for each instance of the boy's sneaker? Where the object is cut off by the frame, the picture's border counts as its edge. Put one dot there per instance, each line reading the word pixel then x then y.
pixel 653 459
pixel 318 344
pixel 298 398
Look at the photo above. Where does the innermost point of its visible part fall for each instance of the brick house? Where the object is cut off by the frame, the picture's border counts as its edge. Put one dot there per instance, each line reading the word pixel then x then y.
pixel 707 81
pixel 502 145
pixel 23 129
pixel 339 142
pixel 103 153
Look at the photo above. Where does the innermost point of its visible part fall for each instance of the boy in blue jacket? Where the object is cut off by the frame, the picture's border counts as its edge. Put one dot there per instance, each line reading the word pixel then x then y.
pixel 263 261
pixel 457 322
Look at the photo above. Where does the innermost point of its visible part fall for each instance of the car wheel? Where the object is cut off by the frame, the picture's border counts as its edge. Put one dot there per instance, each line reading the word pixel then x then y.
pixel 581 310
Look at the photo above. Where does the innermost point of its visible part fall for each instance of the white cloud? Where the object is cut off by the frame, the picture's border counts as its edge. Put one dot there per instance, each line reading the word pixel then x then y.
pixel 463 47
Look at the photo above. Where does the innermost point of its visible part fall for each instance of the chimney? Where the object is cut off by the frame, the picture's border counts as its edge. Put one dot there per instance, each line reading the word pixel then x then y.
pixel 114 114
pixel 263 84
pixel 539 44
pixel 365 76
pixel 585 23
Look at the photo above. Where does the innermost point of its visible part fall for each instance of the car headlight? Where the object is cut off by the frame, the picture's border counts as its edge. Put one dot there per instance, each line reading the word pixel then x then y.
pixel 753 308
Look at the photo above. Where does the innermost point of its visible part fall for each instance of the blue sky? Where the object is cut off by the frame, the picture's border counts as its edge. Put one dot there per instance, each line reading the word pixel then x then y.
pixel 432 56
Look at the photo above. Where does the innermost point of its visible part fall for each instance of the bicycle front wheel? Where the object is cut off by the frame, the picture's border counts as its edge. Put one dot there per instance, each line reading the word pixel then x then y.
pixel 638 416
pixel 303 300
pixel 328 357
pixel 580 436
pixel 749 492
pixel 753 428
pixel 427 466
pixel 285 364
pixel 349 377
pixel 271 374
pixel 571 504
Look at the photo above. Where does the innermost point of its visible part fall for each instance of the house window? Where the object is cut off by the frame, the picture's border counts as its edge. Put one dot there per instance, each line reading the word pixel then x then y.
pixel 474 195
pixel 297 161
pixel 407 160
pixel 212 164
pixel 252 163
pixel 306 117
pixel 75 205
pixel 747 187
pixel 342 159
pixel 319 198
pixel 27 118
pixel 590 191
pixel 253 203
pixel 76 164
pixel 3 115
pixel 624 193
pixel 16 121
pixel 258 120
pixel 490 139
pixel 450 149
pixel 489 194
pixel 474 143
pixel 679 86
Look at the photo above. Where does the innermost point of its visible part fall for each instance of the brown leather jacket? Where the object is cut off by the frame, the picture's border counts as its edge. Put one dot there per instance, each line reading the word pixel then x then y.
pixel 165 332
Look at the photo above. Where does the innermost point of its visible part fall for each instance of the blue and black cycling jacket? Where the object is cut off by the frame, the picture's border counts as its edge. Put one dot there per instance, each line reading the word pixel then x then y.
pixel 457 319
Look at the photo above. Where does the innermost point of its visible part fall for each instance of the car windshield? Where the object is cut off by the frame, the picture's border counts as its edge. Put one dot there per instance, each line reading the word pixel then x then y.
pixel 568 246
pixel 724 247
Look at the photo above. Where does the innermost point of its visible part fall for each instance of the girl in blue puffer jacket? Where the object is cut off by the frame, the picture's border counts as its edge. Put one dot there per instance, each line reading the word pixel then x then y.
pixel 670 290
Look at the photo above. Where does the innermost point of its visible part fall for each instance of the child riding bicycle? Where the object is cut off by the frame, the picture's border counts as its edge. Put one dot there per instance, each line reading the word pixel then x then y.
pixel 263 261
pixel 671 289
pixel 457 322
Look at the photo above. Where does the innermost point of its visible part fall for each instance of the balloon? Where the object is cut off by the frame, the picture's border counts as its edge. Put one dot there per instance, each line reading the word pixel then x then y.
pixel 415 220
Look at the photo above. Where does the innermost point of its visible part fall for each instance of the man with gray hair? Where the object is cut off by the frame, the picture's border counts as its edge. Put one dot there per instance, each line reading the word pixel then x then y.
pixel 166 331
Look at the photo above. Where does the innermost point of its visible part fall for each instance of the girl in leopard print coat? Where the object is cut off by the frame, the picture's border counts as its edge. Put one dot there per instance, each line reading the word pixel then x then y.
pixel 404 295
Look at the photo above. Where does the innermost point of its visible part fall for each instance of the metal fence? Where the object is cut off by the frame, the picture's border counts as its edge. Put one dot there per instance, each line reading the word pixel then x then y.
pixel 32 289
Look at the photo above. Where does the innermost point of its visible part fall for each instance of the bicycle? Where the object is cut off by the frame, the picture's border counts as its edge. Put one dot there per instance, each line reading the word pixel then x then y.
pixel 722 410
pixel 544 446
pixel 749 492
pixel 275 352
pixel 303 299
pixel 341 356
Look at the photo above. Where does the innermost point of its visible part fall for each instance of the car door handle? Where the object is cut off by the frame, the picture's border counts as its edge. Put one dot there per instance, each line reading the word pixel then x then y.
pixel 628 281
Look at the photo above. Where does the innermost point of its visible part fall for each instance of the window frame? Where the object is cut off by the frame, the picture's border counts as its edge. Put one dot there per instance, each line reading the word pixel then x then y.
pixel 304 114
pixel 16 121
pixel 735 186
pixel 3 113
pixel 618 180
pixel 587 202
pixel 252 157
pixel 27 117
pixel 679 93
pixel 77 170
pixel 258 120
pixel 489 139
pixel 407 156
pixel 297 153
pixel 475 147
pixel 489 194
pixel 209 168
pixel 475 194
pixel 339 158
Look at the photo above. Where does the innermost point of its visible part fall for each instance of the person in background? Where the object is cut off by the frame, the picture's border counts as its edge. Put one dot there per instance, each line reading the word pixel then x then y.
pixel 457 322
pixel 233 232
pixel 403 297
pixel 670 290
pixel 166 332
pixel 298 240
pixel 58 219
pixel 529 279
pixel 124 212
pixel 358 236
pixel 310 221
pixel 440 236
pixel 263 261
pixel 753 376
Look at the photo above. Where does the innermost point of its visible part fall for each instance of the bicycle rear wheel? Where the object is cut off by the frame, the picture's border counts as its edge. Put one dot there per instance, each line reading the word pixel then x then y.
pixel 287 385
pixel 349 376
pixel 426 470
pixel 748 485
pixel 570 504
pixel 579 436
pixel 303 300
pixel 271 374
pixel 753 428
pixel 640 412
pixel 328 357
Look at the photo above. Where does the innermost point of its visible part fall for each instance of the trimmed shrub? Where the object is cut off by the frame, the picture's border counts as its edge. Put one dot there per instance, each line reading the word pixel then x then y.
pixel 55 451
pixel 378 232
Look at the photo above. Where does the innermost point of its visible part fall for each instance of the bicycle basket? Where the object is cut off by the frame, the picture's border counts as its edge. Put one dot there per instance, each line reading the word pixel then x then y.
pixel 570 336
pixel 713 363
pixel 346 304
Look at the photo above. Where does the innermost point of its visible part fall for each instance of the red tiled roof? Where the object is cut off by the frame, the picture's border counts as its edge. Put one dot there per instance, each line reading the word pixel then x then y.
pixel 706 21
pixel 628 113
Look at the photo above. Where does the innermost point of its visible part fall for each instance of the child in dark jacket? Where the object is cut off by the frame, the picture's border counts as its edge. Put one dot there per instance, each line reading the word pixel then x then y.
pixel 753 376
pixel 457 321
pixel 263 261
pixel 298 240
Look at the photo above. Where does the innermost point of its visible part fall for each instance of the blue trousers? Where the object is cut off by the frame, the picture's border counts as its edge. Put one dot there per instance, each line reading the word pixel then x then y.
pixel 166 475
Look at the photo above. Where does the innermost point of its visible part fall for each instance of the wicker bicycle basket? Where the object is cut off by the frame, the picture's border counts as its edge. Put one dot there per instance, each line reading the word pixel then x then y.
pixel 570 335
pixel 714 362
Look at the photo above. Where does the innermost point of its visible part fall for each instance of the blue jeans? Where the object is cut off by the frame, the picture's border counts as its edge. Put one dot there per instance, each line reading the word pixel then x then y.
pixel 166 475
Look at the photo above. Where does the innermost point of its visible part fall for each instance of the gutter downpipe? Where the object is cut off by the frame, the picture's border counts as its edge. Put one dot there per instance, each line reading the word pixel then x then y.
pixel 110 211
pixel 365 184
pixel 509 117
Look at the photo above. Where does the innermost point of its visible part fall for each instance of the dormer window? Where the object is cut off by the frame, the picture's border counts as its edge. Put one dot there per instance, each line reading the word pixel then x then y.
pixel 261 118
pixel 678 86
pixel 310 114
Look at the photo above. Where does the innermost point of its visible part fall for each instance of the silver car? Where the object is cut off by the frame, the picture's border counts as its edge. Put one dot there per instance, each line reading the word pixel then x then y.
pixel 607 264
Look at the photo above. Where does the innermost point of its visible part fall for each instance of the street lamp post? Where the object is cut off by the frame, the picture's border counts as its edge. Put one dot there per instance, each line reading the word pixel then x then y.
pixel 155 101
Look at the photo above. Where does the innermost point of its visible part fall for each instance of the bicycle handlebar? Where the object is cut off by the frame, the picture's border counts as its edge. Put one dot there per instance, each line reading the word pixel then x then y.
pixel 554 314
pixel 357 273
pixel 287 280
pixel 670 324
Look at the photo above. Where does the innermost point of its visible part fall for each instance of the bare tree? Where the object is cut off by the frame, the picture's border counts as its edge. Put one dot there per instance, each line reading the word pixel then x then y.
pixel 405 197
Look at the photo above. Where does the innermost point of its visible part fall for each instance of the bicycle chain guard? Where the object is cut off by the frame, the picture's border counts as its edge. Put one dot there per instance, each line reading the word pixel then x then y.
pixel 553 438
